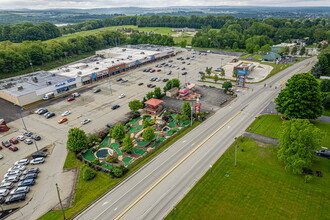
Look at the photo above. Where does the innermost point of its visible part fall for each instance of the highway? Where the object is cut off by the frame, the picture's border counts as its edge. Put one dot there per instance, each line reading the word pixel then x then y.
pixel 152 191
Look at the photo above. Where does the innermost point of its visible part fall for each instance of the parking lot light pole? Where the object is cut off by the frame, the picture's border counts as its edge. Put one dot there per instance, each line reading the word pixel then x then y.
pixel 35 144
pixel 59 198
pixel 110 87
pixel 20 113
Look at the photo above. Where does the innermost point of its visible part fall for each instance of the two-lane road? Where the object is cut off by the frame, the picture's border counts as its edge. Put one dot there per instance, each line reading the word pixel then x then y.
pixel 159 185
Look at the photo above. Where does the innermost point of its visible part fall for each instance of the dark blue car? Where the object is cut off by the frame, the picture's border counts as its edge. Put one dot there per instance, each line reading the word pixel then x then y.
pixel 27 182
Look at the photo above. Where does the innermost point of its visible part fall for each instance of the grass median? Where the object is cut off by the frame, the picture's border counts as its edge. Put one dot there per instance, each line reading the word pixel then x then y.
pixel 89 191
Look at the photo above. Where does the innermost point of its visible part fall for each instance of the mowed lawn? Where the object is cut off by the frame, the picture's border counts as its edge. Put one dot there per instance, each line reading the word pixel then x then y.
pixel 270 125
pixel 258 188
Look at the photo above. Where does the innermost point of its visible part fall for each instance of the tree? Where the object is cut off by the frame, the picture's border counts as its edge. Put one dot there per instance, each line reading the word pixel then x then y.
pixel 171 84
pixel 150 95
pixel 118 132
pixel 208 70
pixel 203 77
pixel 227 85
pixel 302 51
pixel 325 85
pixel 298 140
pixel 158 93
pixel 183 43
pixel 301 98
pixel 77 140
pixel 294 51
pixel 135 105
pixel 87 173
pixel 128 144
pixel 216 78
pixel 222 72
pixel 186 109
pixel 148 134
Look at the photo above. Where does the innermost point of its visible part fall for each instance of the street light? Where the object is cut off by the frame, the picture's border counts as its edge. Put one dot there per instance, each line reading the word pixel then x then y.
pixel 20 113
pixel 235 151
pixel 191 115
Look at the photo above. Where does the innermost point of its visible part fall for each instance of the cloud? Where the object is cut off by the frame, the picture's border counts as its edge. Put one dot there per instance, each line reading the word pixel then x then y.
pixel 85 4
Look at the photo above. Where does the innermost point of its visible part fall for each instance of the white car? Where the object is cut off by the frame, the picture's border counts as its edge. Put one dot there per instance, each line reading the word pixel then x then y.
pixel 1 156
pixel 38 160
pixel 85 121
pixel 19 190
pixel 4 192
pixel 12 173
pixel 22 162
pixel 21 138
pixel 11 179
pixel 18 167
pixel 121 96
pixel 66 113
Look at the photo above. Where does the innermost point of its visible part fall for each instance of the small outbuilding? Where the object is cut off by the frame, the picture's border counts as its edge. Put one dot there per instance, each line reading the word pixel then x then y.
pixel 272 56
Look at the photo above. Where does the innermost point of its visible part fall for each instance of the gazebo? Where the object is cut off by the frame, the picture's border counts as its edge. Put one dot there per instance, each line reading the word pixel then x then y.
pixel 153 105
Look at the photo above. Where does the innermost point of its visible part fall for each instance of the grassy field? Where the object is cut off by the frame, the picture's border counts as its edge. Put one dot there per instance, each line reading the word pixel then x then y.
pixel 258 188
pixel 102 182
pixel 270 125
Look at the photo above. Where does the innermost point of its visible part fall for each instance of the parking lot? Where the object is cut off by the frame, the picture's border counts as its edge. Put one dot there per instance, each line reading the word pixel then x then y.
pixel 97 108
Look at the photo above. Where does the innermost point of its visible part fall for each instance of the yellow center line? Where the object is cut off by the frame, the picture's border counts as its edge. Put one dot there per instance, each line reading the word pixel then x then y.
pixel 148 190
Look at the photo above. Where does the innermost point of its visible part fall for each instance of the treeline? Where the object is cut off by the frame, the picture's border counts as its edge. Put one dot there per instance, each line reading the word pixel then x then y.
pixel 322 67
pixel 28 32
pixel 252 34
pixel 14 58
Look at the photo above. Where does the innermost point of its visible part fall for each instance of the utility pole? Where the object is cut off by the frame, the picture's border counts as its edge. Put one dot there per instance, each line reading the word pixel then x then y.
pixel 110 87
pixel 59 198
pixel 191 115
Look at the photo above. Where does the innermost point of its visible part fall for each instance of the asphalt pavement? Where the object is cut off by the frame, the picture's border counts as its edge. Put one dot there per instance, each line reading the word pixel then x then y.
pixel 157 187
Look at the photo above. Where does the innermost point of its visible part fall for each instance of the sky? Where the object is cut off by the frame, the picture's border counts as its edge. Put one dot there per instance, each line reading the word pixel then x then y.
pixel 87 4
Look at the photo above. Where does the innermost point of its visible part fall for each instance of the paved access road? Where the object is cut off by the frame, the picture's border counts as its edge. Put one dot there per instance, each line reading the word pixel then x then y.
pixel 158 186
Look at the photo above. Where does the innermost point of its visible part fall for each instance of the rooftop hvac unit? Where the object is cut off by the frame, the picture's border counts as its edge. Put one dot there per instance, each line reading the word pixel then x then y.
pixel 97 62
pixel 48 83
pixel 142 52
pixel 123 49
pixel 20 88
pixel 35 79
pixel 112 61
pixel 53 74
pixel 79 72
pixel 96 68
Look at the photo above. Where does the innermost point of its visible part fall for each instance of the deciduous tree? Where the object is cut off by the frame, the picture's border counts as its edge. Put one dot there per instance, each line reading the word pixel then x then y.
pixel 298 140
pixel 77 140
pixel 135 105
pixel 186 109
pixel 118 132
pixel 148 134
pixel 128 144
pixel 301 98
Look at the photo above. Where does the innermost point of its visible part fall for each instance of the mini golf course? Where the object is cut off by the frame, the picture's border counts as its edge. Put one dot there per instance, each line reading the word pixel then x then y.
pixel 115 146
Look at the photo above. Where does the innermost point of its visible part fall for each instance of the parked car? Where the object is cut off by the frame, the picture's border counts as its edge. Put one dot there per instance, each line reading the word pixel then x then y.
pixel 36 137
pixel 184 73
pixel 28 141
pixel 62 120
pixel 31 170
pixel 21 138
pixel 153 71
pixel 124 80
pixel 13 141
pixel 22 162
pixel 119 79
pixel 97 90
pixel 28 133
pixel 165 80
pixel 122 96
pixel 17 167
pixel 28 176
pixel 39 154
pixel 37 160
pixel 115 107
pixel 71 99
pixel 4 192
pixel 183 68
pixel 27 182
pixel 159 70
pixel 140 84
pixel 85 121
pixel 75 94
pixel 323 153
pixel 1 156
pixel 152 86
pixel 6 143
pixel 66 113
pixel 51 114
pixel 110 125
pixel 41 111
pixel 7 185
pixel 20 190
pixel 13 148
pixel 2 199
pixel 169 73
pixel 11 179
pixel 149 85
pixel 15 198
pixel 13 173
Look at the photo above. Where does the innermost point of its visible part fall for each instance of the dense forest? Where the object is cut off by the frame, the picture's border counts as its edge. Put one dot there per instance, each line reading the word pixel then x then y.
pixel 224 32
pixel 14 58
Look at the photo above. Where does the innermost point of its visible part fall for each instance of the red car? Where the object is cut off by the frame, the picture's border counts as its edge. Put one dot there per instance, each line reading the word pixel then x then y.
pixel 13 148
pixel 153 71
pixel 0 148
pixel 159 70
pixel 71 99
pixel 13 141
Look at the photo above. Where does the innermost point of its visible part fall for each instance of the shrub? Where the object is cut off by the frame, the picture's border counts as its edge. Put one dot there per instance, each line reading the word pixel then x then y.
pixel 146 116
pixel 118 171
pixel 97 162
pixel 113 159
pixel 87 173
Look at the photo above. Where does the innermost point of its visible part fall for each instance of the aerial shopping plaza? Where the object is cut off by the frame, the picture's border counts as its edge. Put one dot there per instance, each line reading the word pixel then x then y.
pixel 32 87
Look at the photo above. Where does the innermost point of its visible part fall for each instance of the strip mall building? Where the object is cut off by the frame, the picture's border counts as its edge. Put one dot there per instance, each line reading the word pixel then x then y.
pixel 32 87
